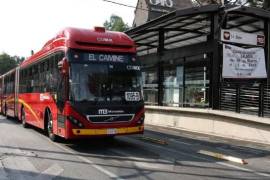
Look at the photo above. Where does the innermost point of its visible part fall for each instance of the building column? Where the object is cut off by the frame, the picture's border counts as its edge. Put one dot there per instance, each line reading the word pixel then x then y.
pixel 267 48
pixel 160 51
pixel 215 64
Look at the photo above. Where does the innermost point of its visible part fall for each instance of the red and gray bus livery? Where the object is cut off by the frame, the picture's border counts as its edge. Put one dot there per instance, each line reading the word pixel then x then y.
pixel 82 83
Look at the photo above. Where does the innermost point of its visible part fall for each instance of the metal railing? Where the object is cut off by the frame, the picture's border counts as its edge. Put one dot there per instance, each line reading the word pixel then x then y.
pixel 245 98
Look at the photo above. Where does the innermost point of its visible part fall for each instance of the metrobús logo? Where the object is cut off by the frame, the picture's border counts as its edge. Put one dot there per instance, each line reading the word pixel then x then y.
pixel 164 3
pixel 107 111
pixel 103 111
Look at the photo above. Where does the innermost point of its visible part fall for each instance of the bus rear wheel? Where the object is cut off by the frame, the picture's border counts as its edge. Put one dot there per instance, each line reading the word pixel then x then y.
pixel 24 124
pixel 49 127
pixel 5 110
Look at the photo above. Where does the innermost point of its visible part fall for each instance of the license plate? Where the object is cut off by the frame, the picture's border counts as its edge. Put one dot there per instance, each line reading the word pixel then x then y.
pixel 111 131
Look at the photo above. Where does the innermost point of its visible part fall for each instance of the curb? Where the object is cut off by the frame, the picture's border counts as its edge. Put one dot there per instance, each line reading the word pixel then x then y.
pixel 222 156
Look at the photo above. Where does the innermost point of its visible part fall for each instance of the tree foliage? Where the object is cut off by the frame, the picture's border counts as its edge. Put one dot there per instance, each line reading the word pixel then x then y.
pixel 8 62
pixel 116 23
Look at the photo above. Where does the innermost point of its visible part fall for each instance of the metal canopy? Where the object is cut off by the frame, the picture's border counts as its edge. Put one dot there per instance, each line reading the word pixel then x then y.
pixel 185 27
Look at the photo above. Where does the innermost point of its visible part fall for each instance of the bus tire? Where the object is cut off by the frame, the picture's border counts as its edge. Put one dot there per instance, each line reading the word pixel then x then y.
pixel 5 110
pixel 49 127
pixel 23 119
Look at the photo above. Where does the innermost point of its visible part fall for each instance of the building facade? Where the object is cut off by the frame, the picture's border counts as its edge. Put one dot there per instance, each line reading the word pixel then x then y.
pixel 147 10
pixel 207 57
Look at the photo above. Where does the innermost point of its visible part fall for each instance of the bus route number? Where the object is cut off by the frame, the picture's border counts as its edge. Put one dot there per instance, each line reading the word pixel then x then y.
pixel 132 96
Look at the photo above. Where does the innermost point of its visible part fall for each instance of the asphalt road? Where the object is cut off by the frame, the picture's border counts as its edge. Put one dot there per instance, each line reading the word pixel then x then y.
pixel 27 154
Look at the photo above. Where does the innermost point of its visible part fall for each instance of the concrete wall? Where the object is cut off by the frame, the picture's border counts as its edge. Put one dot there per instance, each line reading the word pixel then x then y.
pixel 218 123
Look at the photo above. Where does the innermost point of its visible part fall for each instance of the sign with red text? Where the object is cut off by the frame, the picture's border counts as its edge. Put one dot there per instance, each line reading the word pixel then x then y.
pixel 242 38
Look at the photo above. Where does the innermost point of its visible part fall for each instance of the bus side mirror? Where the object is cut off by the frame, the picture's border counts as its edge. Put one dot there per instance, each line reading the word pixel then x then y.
pixel 63 66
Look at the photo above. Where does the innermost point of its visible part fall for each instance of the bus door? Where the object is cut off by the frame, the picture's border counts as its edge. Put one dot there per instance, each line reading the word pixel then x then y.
pixel 61 98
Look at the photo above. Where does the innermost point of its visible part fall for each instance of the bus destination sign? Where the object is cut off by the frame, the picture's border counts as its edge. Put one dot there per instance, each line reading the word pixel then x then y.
pixel 115 58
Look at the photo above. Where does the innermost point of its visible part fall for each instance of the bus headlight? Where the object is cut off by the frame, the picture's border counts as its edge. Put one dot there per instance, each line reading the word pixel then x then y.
pixel 80 125
pixel 75 122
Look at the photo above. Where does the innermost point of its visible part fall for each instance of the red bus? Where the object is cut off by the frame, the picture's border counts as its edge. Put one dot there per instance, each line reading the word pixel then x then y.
pixel 82 83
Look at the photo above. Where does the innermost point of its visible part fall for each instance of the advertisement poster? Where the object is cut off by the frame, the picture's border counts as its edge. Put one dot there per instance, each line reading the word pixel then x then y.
pixel 243 63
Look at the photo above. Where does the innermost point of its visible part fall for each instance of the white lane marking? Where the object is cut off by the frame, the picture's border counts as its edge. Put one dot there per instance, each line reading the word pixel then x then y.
pixel 220 163
pixel 20 167
pixel 50 173
pixel 101 169
pixel 244 169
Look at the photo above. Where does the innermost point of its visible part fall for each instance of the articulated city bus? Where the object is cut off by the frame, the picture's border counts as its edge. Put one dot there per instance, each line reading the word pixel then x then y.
pixel 82 83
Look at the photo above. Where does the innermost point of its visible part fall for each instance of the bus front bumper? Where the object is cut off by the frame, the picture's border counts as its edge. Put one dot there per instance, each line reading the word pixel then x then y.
pixel 108 131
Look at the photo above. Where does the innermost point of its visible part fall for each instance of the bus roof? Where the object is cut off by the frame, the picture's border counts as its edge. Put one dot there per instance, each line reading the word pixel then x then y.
pixel 93 40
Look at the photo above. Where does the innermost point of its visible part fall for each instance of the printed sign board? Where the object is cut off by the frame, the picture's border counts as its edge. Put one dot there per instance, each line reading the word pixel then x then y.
pixel 242 38
pixel 164 3
pixel 243 63
pixel 162 6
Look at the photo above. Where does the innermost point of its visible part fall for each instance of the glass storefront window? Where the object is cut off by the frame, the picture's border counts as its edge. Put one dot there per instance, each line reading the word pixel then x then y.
pixel 173 80
pixel 196 87
pixel 185 84
pixel 150 86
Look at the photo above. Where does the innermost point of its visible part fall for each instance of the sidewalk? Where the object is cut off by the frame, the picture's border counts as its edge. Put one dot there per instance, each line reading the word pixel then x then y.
pixel 205 138
pixel 212 122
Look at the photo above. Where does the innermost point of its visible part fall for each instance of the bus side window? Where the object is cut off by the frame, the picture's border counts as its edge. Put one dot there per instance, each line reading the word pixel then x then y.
pixel 42 77
pixel 21 83
pixel 34 78
pixel 46 76
pixel 12 83
pixel 6 85
pixel 28 81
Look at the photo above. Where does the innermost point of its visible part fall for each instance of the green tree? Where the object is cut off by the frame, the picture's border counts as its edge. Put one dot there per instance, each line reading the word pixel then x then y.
pixel 8 62
pixel 116 23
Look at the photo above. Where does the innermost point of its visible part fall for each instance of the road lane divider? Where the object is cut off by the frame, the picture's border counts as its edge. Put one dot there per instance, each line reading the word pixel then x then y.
pixel 223 156
pixel 174 151
pixel 154 140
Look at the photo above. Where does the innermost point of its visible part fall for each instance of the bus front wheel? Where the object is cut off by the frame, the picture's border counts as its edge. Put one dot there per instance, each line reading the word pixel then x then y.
pixel 49 127
pixel 24 124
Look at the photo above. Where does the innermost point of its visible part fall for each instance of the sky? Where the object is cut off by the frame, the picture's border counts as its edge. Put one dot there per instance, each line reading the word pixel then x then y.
pixel 28 24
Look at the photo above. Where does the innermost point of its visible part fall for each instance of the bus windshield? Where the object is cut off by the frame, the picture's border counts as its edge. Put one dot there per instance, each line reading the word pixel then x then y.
pixel 103 82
